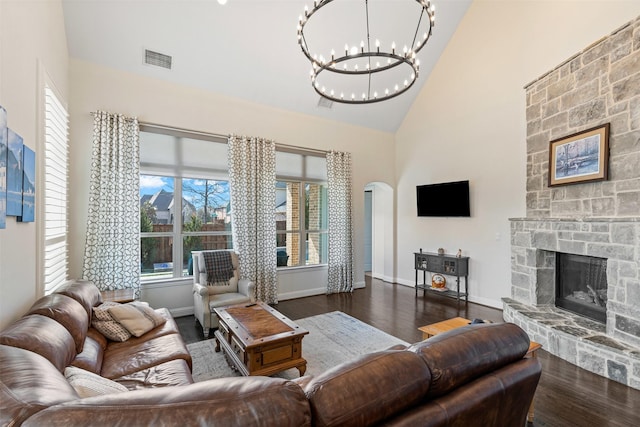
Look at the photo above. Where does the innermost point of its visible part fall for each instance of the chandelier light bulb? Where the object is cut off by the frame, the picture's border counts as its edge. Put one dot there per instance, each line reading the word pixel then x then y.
pixel 393 47
pixel 324 90
pixel 341 95
pixel 386 92
pixel 377 64
pixel 333 54
pixel 345 67
pixel 396 88
pixel 361 46
pixel 354 50
pixel 375 95
pixel 331 92
pixel 377 45
pixel 406 83
pixel 364 96
pixel 222 2
pixel 413 76
pixel 353 96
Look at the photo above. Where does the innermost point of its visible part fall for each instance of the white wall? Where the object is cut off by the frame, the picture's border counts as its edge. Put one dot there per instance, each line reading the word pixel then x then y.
pixel 469 123
pixel 95 87
pixel 32 46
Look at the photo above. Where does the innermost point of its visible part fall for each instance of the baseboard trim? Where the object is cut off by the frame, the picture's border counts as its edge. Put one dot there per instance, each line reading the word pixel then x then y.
pixel 182 311
pixel 301 294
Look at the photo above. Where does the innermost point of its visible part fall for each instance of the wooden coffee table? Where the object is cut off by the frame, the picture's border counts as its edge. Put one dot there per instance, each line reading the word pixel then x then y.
pixel 457 322
pixel 258 340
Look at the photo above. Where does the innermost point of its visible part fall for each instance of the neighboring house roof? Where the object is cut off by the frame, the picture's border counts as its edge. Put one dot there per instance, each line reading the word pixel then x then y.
pixel 163 201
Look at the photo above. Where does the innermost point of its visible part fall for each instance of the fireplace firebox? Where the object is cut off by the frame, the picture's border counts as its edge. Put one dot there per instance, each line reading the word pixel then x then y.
pixel 581 285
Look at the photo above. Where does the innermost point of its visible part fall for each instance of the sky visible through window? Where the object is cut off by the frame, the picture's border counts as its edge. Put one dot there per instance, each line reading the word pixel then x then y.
pixel 193 191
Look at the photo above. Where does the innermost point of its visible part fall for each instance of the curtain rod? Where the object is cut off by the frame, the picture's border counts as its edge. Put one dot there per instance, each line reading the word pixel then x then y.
pixel 219 135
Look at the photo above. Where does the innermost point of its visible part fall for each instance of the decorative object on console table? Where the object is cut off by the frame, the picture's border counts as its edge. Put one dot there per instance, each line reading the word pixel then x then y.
pixel 442 264
pixel 440 251
pixel 459 254
pixel 438 282
pixel 581 157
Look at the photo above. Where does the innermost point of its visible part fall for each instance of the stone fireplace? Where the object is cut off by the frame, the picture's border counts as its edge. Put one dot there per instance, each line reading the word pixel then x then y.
pixel 598 220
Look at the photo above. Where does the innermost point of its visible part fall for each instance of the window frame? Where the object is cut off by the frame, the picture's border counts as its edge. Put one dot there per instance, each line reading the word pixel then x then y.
pixel 302 231
pixel 53 199
pixel 178 173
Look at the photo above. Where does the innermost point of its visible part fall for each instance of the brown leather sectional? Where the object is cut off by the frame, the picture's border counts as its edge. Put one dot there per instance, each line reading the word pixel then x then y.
pixel 471 376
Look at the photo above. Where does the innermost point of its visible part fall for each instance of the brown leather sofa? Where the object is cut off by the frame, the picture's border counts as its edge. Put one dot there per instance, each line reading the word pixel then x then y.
pixel 474 375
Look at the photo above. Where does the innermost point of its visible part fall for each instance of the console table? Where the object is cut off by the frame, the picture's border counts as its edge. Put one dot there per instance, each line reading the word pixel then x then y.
pixel 449 265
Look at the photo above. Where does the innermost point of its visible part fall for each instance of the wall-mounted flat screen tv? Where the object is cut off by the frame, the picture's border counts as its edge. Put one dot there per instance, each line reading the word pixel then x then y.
pixel 444 199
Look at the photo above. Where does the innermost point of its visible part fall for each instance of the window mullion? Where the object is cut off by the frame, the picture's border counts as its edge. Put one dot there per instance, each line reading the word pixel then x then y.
pixel 177 228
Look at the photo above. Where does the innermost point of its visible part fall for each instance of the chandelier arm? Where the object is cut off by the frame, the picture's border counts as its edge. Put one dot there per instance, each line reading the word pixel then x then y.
pixel 366 7
pixel 415 36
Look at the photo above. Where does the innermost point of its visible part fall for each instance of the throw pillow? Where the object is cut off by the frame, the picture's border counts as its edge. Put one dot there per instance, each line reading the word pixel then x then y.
pixel 107 325
pixel 137 318
pixel 88 384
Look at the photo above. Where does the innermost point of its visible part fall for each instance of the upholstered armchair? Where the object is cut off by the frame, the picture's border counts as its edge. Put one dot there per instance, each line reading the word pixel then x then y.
pixel 206 298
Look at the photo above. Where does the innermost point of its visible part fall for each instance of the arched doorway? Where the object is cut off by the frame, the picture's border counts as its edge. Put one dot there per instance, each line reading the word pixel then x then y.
pixel 379 242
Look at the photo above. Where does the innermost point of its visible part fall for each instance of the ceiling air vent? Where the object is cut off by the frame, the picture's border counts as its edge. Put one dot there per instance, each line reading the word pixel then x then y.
pixel 157 59
pixel 325 103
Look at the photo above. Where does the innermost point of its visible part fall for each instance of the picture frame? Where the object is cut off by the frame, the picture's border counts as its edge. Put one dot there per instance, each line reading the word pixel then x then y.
pixel 28 185
pixel 14 173
pixel 3 167
pixel 580 157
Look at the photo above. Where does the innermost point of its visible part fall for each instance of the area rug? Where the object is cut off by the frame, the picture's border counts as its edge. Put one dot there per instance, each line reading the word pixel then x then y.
pixel 333 338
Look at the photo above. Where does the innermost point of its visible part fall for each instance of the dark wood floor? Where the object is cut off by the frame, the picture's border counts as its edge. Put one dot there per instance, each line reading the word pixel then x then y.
pixel 566 396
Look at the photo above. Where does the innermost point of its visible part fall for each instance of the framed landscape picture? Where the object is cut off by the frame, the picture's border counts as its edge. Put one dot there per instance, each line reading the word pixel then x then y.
pixel 3 167
pixel 581 157
pixel 28 185
pixel 14 173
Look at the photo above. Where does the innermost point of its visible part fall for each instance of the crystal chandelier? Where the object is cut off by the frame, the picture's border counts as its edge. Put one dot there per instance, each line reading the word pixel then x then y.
pixel 367 72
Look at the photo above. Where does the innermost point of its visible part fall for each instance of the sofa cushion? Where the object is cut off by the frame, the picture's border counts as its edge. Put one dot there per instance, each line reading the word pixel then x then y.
pixel 83 291
pixel 168 328
pixel 28 384
pixel 93 352
pixel 171 373
pixel 478 349
pixel 248 401
pixel 369 389
pixel 123 359
pixel 136 317
pixel 66 311
pixel 41 335
pixel 88 384
pixel 107 325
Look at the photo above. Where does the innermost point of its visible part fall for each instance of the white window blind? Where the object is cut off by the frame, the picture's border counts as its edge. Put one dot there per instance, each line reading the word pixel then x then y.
pixel 55 192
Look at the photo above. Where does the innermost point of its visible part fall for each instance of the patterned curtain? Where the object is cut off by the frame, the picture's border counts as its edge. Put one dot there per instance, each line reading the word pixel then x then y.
pixel 340 223
pixel 252 177
pixel 112 249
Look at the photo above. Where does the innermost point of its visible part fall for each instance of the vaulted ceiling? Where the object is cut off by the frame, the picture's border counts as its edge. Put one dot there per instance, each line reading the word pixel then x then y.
pixel 245 49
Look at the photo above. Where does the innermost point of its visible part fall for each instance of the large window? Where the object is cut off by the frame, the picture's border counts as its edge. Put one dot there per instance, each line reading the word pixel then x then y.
pixel 184 202
pixel 56 159
pixel 301 210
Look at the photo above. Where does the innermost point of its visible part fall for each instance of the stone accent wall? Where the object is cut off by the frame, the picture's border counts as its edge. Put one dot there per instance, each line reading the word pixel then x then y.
pixel 599 85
